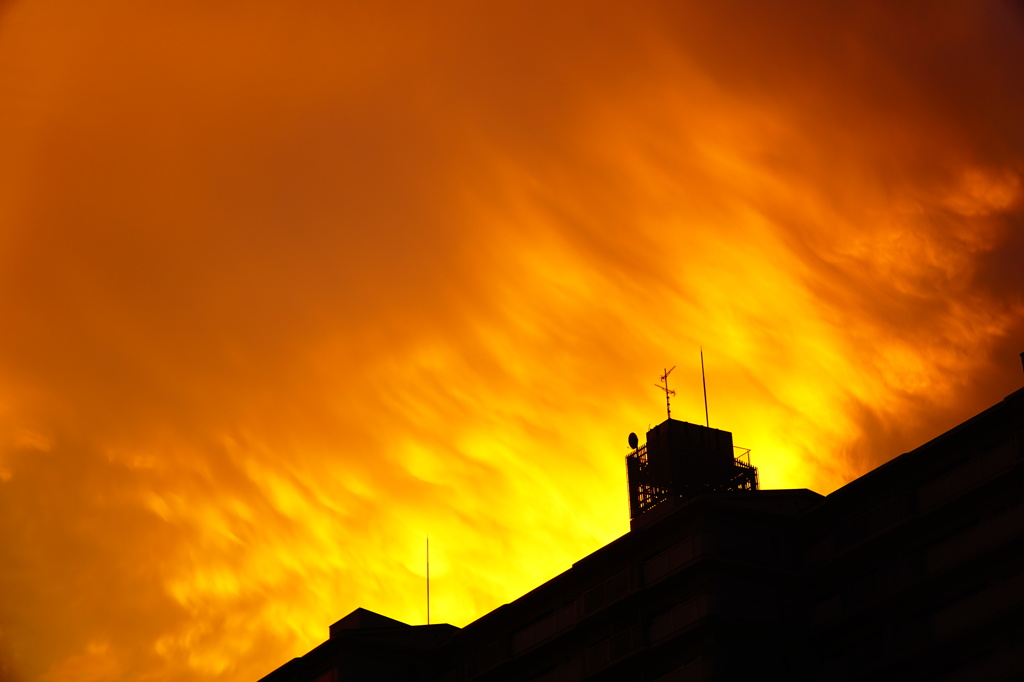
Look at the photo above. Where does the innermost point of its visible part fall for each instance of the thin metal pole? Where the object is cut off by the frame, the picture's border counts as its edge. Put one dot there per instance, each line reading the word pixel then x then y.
pixel 668 405
pixel 428 580
pixel 707 422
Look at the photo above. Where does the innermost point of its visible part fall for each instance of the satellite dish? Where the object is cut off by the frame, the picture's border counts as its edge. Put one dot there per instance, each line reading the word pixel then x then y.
pixel 633 441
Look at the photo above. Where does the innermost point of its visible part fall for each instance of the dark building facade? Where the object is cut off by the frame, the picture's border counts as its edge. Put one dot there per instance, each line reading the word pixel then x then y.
pixel 915 571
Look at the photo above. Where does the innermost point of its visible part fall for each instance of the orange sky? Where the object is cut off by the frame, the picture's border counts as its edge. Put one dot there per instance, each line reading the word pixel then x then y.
pixel 286 286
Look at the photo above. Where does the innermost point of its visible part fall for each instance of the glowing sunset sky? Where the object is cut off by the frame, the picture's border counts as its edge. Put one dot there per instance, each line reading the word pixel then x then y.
pixel 286 286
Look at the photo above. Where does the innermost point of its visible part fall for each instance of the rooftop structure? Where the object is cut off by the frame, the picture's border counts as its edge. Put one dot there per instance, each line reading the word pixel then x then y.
pixel 680 460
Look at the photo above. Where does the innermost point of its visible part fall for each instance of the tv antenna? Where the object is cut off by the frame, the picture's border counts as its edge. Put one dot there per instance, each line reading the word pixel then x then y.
pixel 664 379
pixel 707 422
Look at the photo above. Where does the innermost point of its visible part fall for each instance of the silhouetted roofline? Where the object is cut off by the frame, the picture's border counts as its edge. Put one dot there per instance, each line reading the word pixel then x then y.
pixel 364 619
pixel 925 456
pixel 791 503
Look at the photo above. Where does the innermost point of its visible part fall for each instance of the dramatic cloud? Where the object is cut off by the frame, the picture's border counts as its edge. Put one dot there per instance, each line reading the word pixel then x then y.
pixel 286 287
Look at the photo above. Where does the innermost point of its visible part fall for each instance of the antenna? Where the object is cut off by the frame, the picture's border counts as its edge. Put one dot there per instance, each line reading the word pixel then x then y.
pixel 428 580
pixel 664 378
pixel 704 381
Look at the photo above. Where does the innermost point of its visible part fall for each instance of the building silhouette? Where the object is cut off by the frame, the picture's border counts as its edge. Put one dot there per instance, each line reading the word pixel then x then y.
pixel 914 571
